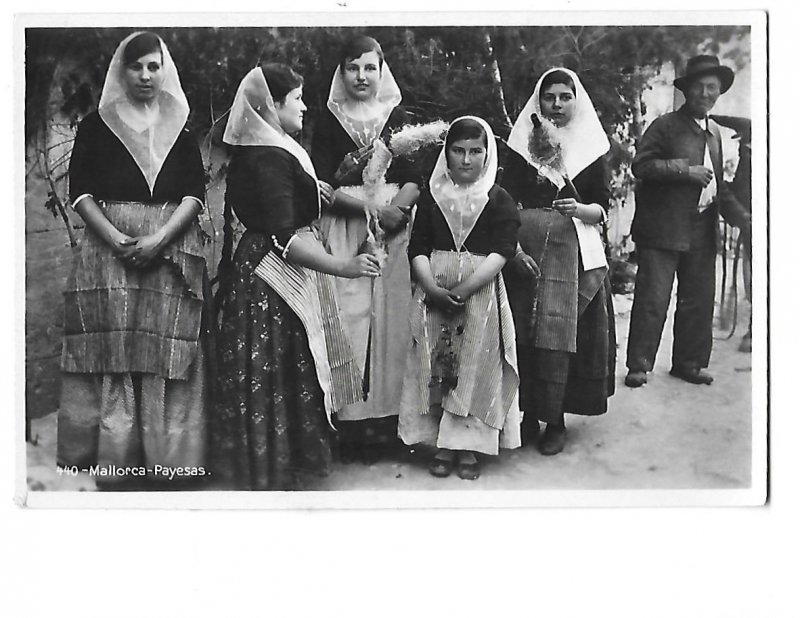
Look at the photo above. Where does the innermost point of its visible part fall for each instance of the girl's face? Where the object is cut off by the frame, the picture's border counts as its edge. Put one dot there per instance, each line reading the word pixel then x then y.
pixel 558 104
pixel 290 110
pixel 144 77
pixel 465 160
pixel 362 76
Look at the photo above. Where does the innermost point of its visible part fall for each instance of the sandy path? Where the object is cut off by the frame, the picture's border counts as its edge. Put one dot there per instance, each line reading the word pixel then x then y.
pixel 665 435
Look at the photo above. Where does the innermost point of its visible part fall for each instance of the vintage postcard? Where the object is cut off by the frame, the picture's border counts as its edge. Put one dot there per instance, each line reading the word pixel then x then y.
pixel 384 260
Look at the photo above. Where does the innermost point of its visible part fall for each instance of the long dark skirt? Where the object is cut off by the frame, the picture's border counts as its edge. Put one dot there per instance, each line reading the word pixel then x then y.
pixel 270 430
pixel 553 382
pixel 371 431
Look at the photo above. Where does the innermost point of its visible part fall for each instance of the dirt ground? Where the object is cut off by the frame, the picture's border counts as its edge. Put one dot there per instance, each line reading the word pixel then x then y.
pixel 665 435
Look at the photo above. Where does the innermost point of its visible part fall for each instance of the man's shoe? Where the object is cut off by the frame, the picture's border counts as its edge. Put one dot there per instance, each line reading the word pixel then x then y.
pixel 635 379
pixel 747 344
pixel 692 375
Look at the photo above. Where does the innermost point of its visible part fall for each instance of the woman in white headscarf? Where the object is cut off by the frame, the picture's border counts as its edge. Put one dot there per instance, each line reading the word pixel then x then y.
pixel 134 384
pixel 363 106
pixel 565 321
pixel 461 381
pixel 285 363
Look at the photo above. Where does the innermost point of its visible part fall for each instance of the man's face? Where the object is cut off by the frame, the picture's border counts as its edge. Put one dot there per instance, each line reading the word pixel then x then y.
pixel 701 95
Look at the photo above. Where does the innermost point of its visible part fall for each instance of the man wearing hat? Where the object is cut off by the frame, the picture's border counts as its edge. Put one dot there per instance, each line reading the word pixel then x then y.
pixel 678 201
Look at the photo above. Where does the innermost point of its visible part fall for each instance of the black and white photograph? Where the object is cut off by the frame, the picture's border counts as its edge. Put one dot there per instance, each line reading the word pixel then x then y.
pixel 395 258
pixel 423 266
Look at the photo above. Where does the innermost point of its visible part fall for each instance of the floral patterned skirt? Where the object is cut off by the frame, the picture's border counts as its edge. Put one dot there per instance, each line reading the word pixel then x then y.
pixel 270 430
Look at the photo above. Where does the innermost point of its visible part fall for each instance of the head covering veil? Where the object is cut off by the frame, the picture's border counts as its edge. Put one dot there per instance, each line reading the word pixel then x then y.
pixel 462 205
pixel 582 140
pixel 364 120
pixel 148 131
pixel 253 121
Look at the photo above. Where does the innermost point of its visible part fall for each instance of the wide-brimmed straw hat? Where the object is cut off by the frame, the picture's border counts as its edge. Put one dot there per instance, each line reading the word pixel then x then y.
pixel 701 66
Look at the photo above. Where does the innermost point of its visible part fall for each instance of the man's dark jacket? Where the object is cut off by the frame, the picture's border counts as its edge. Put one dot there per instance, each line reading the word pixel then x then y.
pixel 666 199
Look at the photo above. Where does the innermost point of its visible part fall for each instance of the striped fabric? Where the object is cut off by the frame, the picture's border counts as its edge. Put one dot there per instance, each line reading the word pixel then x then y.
pixel 121 320
pixel 310 294
pixel 551 240
pixel 486 351
pixel 564 290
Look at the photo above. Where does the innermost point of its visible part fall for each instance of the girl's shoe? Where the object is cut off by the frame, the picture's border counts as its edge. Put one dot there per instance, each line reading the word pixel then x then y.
pixel 440 466
pixel 469 470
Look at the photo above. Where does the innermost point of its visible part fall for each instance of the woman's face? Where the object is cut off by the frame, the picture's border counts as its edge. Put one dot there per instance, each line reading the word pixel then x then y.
pixel 465 160
pixel 144 77
pixel 362 76
pixel 558 104
pixel 290 110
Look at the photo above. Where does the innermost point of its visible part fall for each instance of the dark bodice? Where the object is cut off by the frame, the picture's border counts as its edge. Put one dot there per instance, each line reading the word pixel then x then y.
pixel 531 190
pixel 331 144
pixel 495 230
pixel 101 166
pixel 270 192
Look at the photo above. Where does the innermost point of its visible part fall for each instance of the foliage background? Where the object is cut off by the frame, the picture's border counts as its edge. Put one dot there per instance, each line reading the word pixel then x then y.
pixel 443 72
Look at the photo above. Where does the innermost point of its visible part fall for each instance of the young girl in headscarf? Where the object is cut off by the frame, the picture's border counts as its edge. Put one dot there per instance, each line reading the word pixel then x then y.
pixel 363 106
pixel 461 381
pixel 285 363
pixel 565 322
pixel 134 384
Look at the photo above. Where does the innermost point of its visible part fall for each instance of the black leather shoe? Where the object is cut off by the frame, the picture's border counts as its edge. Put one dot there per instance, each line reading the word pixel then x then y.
pixel 635 379
pixel 530 431
pixel 693 375
pixel 553 440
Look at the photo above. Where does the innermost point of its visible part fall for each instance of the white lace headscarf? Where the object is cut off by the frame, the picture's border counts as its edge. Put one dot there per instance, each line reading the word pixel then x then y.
pixel 253 121
pixel 364 120
pixel 582 140
pixel 148 131
pixel 462 205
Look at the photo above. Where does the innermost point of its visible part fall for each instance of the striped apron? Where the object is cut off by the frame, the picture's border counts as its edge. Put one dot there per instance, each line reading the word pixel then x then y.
pixel 310 294
pixel 481 338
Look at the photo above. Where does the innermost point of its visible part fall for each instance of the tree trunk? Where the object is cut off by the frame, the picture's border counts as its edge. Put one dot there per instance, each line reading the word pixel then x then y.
pixel 494 69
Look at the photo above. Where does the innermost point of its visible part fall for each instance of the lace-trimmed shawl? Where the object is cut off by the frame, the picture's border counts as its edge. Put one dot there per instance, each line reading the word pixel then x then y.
pixel 582 141
pixel 253 121
pixel 462 205
pixel 363 121
pixel 148 131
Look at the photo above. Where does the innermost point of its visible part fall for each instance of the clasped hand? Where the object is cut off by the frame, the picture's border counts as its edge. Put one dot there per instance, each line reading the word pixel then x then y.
pixel 139 251
pixel 446 301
